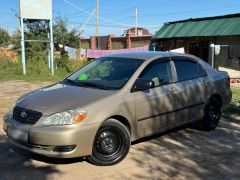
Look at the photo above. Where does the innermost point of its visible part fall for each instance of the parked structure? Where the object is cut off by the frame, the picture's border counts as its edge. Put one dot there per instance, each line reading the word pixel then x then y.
pixel 202 37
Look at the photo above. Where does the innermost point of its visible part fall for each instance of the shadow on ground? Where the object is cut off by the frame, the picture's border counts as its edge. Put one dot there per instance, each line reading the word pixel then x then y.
pixel 16 166
pixel 191 154
pixel 179 154
pixel 183 154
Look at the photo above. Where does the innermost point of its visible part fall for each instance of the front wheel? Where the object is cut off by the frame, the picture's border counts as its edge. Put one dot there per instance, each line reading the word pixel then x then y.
pixel 111 144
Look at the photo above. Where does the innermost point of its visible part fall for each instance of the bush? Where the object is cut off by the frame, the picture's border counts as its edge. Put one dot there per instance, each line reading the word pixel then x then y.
pixel 37 68
pixel 9 69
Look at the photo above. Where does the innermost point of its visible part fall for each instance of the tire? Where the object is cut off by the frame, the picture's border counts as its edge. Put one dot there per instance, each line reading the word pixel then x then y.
pixel 212 115
pixel 111 144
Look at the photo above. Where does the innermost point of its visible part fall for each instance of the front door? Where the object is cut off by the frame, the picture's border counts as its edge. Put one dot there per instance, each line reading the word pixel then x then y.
pixel 153 105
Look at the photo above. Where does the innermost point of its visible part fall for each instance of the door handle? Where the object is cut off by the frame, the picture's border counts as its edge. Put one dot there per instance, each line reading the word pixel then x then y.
pixel 173 89
pixel 204 82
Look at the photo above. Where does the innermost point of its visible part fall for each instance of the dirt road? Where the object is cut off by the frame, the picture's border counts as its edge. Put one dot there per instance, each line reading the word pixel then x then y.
pixel 183 154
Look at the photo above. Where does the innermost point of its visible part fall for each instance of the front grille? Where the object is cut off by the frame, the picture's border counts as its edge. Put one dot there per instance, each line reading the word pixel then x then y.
pixel 26 116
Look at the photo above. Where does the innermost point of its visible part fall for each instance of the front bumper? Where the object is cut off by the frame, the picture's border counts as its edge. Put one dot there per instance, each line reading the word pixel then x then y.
pixel 53 141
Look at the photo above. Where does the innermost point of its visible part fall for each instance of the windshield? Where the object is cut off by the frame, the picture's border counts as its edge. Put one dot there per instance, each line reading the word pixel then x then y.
pixel 105 73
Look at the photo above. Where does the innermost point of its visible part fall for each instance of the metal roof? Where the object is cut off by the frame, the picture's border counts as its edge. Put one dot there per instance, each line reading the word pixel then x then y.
pixel 228 25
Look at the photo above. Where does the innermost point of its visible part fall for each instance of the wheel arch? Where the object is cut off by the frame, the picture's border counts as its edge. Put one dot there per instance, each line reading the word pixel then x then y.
pixel 123 120
pixel 217 97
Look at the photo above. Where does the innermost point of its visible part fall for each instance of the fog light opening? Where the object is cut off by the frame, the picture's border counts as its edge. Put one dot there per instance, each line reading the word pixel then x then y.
pixel 67 148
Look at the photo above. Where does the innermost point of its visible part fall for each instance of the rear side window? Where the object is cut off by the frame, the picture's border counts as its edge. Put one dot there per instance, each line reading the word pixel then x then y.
pixel 188 70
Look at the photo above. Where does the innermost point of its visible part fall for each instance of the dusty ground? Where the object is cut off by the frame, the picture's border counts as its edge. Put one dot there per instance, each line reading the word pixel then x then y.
pixel 184 154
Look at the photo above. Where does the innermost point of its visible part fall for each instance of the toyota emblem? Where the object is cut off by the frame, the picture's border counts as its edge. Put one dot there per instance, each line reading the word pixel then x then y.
pixel 23 114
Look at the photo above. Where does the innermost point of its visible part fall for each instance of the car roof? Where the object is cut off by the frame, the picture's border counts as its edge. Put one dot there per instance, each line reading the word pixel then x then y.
pixel 145 55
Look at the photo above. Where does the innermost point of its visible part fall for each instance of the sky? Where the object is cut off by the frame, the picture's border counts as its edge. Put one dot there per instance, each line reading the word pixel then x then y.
pixel 115 16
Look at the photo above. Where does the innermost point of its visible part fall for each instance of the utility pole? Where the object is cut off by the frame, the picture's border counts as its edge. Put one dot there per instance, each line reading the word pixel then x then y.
pixel 136 21
pixel 97 28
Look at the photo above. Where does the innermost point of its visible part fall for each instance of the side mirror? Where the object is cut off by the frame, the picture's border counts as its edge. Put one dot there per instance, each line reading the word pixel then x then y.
pixel 143 85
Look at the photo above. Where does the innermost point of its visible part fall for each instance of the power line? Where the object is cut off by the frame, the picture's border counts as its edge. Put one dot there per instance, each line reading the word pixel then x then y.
pixel 100 3
pixel 143 5
pixel 117 26
pixel 118 12
pixel 121 19
pixel 177 15
pixel 104 2
pixel 91 7
pixel 101 18
pixel 111 26
pixel 188 12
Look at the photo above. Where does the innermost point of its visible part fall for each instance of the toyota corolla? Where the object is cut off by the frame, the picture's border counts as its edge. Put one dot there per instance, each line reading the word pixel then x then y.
pixel 101 108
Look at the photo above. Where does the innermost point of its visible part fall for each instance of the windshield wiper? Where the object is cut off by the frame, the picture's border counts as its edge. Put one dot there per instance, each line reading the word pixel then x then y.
pixel 89 84
pixel 73 82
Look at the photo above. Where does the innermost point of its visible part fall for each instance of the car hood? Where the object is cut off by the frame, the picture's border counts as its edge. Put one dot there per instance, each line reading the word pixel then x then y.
pixel 60 97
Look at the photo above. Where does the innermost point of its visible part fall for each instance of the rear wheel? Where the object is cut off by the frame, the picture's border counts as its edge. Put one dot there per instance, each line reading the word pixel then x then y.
pixel 111 144
pixel 212 115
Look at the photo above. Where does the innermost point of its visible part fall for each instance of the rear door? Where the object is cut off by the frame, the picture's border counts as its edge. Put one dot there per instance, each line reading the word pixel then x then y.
pixel 192 85
pixel 153 105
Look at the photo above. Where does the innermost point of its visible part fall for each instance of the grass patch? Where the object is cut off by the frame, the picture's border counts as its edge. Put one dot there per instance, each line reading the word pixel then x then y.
pixel 37 69
pixel 236 95
pixel 234 108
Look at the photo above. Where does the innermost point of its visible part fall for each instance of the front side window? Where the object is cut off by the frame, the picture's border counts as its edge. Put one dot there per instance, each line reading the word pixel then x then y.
pixel 158 72
pixel 106 73
pixel 188 70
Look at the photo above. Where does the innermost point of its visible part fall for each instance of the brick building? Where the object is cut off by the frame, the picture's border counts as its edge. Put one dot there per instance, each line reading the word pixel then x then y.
pixel 137 32
pixel 111 42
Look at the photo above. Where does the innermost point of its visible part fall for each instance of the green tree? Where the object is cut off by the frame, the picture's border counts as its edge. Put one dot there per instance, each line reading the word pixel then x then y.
pixel 4 36
pixel 36 30
pixel 16 41
pixel 63 35
pixel 74 36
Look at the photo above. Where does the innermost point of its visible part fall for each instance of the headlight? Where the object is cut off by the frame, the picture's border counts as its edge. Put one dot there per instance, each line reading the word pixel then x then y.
pixel 66 117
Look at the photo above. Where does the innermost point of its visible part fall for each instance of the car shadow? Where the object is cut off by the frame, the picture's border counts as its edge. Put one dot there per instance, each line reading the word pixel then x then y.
pixel 15 166
pixel 190 153
pixel 46 159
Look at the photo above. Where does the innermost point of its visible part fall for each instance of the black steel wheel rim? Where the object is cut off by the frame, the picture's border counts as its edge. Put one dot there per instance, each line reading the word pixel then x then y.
pixel 214 115
pixel 108 143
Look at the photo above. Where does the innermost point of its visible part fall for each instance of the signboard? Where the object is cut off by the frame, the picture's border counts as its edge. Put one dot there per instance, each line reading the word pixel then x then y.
pixel 36 9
